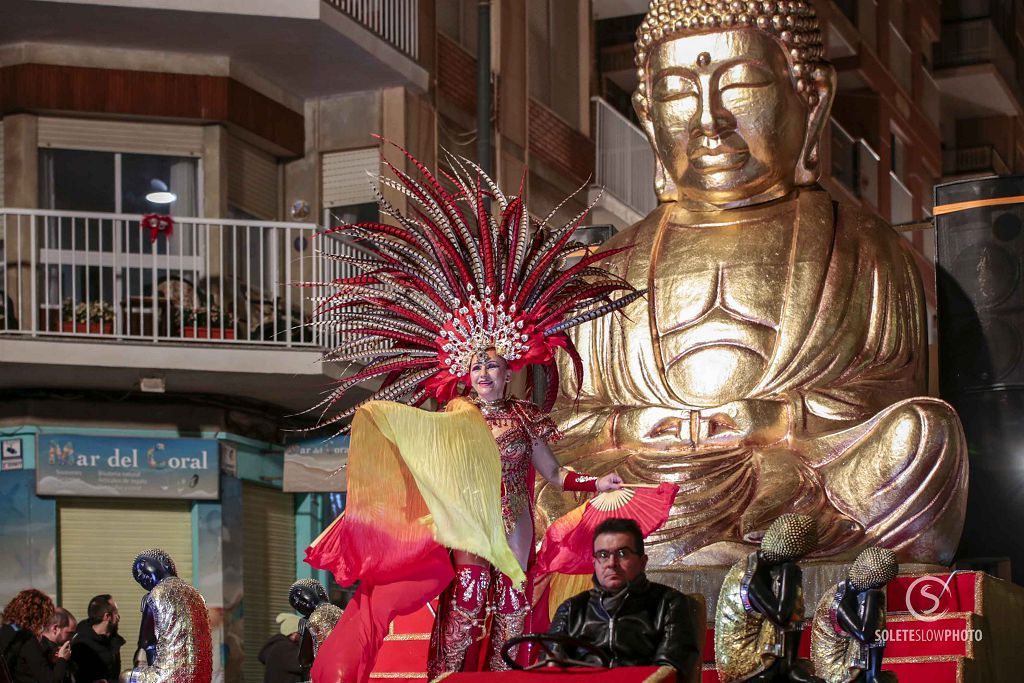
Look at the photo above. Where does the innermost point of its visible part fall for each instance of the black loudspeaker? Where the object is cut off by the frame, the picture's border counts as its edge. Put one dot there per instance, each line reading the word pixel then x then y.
pixel 979 229
pixel 980 293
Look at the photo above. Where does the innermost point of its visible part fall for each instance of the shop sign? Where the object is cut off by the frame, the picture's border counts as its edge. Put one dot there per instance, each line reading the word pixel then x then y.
pixel 316 465
pixel 127 467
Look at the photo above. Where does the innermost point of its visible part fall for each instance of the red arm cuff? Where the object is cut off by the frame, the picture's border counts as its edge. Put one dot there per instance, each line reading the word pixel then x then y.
pixel 579 482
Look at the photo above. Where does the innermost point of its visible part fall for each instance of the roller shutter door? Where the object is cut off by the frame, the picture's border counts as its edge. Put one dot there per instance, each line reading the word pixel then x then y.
pixel 99 539
pixel 268 568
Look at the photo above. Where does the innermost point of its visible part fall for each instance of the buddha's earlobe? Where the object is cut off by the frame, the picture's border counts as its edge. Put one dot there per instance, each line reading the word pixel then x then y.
pixel 808 168
pixel 664 185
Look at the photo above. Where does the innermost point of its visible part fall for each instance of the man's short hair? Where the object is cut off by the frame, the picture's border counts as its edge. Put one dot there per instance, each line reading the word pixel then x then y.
pixel 621 525
pixel 61 618
pixel 101 606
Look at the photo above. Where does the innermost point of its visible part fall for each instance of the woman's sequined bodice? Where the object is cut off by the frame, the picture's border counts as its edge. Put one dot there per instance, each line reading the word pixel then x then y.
pixel 516 424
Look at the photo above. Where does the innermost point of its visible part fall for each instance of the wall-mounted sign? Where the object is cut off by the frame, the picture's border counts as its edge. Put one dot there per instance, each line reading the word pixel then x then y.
pixel 316 465
pixel 127 467
pixel 10 454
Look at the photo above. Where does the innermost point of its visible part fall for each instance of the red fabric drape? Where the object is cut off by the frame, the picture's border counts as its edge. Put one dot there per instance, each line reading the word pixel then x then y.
pixel 365 621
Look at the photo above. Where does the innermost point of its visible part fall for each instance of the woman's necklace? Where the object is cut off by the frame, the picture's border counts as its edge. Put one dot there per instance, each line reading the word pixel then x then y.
pixel 494 411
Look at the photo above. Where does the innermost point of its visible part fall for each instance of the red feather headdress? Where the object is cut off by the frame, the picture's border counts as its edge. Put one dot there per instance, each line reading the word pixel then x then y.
pixel 452 279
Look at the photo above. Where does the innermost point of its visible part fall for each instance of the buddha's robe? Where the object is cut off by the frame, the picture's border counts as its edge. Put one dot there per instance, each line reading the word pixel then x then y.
pixel 808 316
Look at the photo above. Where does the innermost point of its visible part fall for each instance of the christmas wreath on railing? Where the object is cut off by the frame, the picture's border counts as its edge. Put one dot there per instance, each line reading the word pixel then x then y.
pixel 157 225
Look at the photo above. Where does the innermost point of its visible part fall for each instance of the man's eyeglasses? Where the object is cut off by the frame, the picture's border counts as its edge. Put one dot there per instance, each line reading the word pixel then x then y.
pixel 621 553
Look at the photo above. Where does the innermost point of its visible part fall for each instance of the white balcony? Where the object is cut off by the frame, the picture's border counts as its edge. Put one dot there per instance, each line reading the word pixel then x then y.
pixel 854 164
pixel 931 100
pixel 89 300
pixel 308 48
pixel 901 61
pixel 901 201
pixel 396 21
pixel 868 162
pixel 973 162
pixel 625 166
pixel 101 275
pixel 975 71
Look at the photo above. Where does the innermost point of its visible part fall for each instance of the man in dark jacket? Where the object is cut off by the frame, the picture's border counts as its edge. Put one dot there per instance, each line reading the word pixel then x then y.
pixel 45 659
pixel 280 654
pixel 634 621
pixel 96 650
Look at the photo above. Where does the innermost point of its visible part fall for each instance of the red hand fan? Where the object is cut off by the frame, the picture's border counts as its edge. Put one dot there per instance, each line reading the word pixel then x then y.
pixel 568 543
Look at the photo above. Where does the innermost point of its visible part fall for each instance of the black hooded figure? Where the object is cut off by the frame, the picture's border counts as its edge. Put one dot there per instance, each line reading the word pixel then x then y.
pixel 304 596
pixel 149 569
pixel 309 598
pixel 175 630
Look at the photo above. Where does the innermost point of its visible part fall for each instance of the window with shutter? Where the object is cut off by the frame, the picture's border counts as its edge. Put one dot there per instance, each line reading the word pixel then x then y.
pixel 349 178
pixel 252 180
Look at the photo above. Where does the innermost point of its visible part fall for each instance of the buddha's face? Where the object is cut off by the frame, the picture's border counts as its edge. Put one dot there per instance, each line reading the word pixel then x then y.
pixel 728 123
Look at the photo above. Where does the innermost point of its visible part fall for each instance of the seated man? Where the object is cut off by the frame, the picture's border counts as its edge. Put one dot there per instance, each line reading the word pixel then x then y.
pixel 652 623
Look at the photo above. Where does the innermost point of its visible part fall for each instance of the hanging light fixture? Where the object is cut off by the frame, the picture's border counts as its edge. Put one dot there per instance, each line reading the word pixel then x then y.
pixel 159 193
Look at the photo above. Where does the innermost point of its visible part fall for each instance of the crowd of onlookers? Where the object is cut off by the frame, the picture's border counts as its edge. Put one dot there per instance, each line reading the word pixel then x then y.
pixel 43 643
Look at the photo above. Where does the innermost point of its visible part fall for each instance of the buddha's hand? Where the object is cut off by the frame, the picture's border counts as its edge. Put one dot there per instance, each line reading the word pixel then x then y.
pixel 743 423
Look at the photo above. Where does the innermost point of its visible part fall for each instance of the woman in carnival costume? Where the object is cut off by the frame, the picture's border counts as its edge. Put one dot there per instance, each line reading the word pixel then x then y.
pixel 452 298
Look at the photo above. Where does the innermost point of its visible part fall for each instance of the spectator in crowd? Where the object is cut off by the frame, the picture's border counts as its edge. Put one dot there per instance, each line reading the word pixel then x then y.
pixel 280 655
pixel 96 650
pixel 656 626
pixel 46 659
pixel 22 620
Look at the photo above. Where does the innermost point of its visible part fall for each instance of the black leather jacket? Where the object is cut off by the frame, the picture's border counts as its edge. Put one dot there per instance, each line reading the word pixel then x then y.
pixel 643 624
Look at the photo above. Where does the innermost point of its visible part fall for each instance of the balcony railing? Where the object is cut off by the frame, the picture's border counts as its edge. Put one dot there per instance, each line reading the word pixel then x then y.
pixel 844 157
pixel 108 276
pixel 975 41
pixel 396 21
pixel 901 201
pixel 973 160
pixel 930 98
pixel 868 162
pixel 901 59
pixel 625 161
pixel 854 164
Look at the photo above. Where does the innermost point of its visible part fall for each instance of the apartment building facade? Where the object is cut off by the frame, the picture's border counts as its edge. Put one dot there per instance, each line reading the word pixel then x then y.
pixel 181 342
pixel 151 352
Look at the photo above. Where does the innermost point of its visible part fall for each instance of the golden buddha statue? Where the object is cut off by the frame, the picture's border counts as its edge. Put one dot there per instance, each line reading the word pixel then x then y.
pixel 778 363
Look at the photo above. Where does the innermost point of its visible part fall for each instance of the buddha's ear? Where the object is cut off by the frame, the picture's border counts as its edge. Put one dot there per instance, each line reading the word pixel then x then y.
pixel 664 186
pixel 823 85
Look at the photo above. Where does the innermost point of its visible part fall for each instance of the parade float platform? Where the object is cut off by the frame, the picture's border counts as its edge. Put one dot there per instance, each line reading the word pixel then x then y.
pixel 918 651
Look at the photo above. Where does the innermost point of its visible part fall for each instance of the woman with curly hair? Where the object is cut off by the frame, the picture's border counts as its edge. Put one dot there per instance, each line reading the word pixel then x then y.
pixel 28 610
pixel 23 618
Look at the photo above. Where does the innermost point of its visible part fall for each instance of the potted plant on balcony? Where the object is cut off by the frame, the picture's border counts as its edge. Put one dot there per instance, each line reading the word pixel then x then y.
pixel 87 317
pixel 200 322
